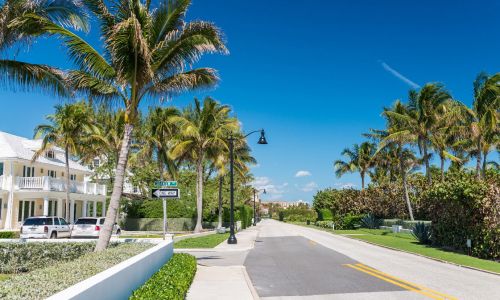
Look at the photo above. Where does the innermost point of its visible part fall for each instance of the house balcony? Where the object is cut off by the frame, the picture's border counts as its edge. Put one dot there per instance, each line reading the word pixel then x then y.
pixel 47 183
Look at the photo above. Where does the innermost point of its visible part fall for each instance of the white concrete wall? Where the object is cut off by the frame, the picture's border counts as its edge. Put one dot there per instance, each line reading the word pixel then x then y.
pixel 121 280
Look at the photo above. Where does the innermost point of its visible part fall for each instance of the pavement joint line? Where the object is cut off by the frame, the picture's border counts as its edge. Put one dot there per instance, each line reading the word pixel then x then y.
pixel 397 282
pixel 407 282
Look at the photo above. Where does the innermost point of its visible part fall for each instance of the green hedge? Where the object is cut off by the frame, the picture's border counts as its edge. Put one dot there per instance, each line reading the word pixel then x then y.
pixel 156 224
pixel 172 281
pixel 43 283
pixel 9 235
pixel 405 223
pixel 154 209
pixel 324 214
pixel 245 216
pixel 26 257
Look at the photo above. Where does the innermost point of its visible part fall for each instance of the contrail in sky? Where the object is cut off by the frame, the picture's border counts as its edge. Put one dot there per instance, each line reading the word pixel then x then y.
pixel 399 75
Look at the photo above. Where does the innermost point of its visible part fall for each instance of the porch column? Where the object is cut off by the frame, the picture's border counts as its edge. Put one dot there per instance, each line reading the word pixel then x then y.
pixel 46 206
pixel 60 204
pixel 84 208
pixel 72 211
pixel 104 208
pixel 94 209
pixel 10 201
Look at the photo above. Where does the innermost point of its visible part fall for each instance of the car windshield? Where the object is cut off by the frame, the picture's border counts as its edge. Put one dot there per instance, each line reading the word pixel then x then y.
pixel 38 222
pixel 86 222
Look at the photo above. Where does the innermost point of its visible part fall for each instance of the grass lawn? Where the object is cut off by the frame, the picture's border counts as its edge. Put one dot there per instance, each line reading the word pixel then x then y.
pixel 406 242
pixel 4 277
pixel 207 241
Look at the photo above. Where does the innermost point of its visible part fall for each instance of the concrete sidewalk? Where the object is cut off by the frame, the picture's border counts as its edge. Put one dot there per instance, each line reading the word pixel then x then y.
pixel 221 274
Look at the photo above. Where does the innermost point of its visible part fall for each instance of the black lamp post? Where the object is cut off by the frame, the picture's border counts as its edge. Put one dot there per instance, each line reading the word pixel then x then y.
pixel 262 141
pixel 255 211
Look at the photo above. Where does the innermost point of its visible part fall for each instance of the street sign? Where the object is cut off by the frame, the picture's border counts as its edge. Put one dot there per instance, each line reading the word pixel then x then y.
pixel 166 193
pixel 160 183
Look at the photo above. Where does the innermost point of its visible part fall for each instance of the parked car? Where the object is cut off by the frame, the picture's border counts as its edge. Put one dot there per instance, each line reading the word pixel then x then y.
pixel 90 228
pixel 44 228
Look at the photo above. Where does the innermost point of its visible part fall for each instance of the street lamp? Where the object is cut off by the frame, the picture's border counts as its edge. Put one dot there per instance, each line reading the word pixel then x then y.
pixel 254 211
pixel 262 141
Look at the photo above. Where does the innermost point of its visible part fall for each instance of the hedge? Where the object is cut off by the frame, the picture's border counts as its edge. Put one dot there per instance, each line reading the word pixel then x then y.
pixel 405 223
pixel 42 283
pixel 246 215
pixel 26 257
pixel 172 281
pixel 9 235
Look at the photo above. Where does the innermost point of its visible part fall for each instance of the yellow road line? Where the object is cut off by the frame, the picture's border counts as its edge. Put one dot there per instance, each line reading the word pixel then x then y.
pixel 404 286
pixel 407 282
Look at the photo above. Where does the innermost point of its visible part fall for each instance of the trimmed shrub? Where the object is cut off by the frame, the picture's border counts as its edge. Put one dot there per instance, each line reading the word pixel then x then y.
pixel 324 224
pixel 370 221
pixel 351 221
pixel 324 214
pixel 9 235
pixel 154 209
pixel 405 223
pixel 172 281
pixel 422 232
pixel 281 215
pixel 43 283
pixel 26 257
pixel 462 209
pixel 246 215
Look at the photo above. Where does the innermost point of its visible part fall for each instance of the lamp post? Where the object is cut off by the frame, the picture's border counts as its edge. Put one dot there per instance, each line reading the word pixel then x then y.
pixel 254 211
pixel 262 141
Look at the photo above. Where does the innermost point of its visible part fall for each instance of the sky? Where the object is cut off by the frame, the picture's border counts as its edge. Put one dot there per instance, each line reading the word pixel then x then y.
pixel 315 75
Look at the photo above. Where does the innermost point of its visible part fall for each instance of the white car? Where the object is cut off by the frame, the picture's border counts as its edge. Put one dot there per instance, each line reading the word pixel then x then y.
pixel 90 228
pixel 44 228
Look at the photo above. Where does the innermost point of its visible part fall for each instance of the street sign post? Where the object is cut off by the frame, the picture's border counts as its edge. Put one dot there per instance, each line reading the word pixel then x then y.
pixel 164 194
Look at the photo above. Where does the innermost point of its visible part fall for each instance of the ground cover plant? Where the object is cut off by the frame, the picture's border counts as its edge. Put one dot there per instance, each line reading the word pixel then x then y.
pixel 172 281
pixel 207 241
pixel 42 283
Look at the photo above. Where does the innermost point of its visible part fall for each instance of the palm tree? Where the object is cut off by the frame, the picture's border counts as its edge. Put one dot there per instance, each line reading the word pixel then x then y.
pixel 359 160
pixel 147 54
pixel 419 120
pixel 14 32
pixel 203 132
pixel 71 128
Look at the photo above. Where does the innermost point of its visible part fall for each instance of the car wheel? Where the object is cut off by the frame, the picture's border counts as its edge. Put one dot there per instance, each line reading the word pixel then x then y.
pixel 53 235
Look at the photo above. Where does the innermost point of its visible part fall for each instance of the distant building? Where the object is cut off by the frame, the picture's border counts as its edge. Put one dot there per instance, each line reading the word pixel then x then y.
pixel 285 204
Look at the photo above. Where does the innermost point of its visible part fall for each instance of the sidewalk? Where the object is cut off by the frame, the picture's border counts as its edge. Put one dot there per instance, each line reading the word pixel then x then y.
pixel 221 274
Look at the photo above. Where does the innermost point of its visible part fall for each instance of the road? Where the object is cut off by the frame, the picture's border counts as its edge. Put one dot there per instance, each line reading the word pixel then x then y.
pixel 294 262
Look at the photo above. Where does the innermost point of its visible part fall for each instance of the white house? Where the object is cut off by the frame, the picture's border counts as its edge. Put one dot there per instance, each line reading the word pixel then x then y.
pixel 39 188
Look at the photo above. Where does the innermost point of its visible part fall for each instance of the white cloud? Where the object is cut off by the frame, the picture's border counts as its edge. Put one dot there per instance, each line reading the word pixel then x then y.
pixel 303 173
pixel 309 187
pixel 399 75
pixel 275 191
pixel 344 185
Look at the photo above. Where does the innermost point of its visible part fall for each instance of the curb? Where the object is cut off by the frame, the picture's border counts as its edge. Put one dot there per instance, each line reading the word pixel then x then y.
pixel 252 289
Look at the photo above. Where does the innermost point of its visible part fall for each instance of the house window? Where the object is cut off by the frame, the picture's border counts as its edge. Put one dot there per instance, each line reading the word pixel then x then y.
pixel 72 177
pixel 1 168
pixel 28 171
pixel 49 154
pixel 51 173
pixel 26 210
pixel 53 207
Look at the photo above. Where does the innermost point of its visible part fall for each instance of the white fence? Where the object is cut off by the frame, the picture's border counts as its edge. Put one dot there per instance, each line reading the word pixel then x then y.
pixel 120 281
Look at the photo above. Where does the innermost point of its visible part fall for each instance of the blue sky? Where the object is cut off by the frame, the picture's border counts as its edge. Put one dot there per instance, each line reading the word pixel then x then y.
pixel 317 76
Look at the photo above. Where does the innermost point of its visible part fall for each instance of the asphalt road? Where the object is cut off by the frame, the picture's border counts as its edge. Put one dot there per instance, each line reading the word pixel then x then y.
pixel 293 262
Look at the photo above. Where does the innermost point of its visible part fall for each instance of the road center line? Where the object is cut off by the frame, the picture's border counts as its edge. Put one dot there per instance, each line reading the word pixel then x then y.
pixel 398 282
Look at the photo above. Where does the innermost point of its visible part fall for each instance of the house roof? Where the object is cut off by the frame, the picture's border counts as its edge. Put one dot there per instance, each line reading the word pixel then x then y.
pixel 16 147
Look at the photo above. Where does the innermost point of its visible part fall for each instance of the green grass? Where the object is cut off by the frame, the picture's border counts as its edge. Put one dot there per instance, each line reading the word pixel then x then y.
pixel 207 241
pixel 4 277
pixel 406 242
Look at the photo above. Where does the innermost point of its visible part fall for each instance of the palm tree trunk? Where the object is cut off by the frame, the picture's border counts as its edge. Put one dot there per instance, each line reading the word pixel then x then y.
pixel 199 193
pixel 66 157
pixel 111 213
pixel 442 167
pixel 485 161
pixel 427 166
pixel 219 225
pixel 362 180
pixel 405 185
pixel 478 159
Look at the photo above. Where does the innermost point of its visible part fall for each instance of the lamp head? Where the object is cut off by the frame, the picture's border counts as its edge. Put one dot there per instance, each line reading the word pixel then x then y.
pixel 262 139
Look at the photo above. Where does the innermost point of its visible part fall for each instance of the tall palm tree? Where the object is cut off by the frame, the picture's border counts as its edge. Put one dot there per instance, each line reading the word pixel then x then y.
pixel 419 120
pixel 203 132
pixel 360 159
pixel 147 53
pixel 27 76
pixel 71 128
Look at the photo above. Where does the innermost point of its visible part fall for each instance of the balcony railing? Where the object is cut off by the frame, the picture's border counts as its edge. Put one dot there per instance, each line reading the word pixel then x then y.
pixel 47 183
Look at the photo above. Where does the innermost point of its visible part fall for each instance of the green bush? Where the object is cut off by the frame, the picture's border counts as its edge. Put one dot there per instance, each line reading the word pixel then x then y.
pixel 245 216
pixel 370 221
pixel 172 281
pixel 324 224
pixel 43 283
pixel 281 215
pixel 422 232
pixel 154 209
pixel 405 223
pixel 351 221
pixel 324 214
pixel 465 208
pixel 9 235
pixel 25 257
